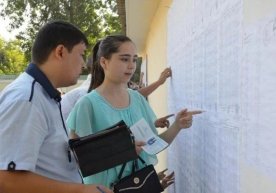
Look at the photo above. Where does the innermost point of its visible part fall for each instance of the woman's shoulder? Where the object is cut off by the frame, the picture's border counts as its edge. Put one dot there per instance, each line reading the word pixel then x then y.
pixel 91 94
pixel 91 98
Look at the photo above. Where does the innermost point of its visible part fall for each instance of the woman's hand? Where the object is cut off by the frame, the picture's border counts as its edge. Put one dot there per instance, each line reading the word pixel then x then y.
pixel 184 118
pixel 138 146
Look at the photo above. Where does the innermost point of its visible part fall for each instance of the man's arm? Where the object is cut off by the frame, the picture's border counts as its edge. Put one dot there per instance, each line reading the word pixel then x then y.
pixel 28 182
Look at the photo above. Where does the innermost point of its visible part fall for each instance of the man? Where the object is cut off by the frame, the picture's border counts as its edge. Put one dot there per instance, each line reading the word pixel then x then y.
pixel 34 154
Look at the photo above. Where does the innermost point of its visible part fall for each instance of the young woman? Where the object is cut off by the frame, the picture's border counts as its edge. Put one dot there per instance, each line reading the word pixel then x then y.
pixel 111 101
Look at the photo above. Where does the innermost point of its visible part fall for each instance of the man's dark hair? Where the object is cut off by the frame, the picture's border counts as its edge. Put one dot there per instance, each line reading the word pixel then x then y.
pixel 53 34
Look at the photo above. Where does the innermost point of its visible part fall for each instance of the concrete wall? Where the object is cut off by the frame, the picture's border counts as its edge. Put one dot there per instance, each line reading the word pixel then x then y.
pixel 251 180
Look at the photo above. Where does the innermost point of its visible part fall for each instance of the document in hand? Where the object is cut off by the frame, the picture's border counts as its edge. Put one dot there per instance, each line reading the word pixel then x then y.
pixel 105 149
pixel 142 132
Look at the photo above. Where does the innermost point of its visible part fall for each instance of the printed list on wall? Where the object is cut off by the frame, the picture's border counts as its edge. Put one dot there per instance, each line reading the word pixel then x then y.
pixel 229 71
pixel 258 95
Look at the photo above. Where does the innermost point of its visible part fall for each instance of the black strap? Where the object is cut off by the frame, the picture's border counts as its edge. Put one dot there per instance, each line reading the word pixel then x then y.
pixel 63 124
pixel 134 167
pixel 121 171
pixel 143 161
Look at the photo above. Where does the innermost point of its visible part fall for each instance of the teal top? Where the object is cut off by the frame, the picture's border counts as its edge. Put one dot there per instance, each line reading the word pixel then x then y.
pixel 93 113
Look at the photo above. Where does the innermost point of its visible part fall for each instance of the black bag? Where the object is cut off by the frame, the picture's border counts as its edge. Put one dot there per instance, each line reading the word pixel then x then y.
pixel 144 180
pixel 105 149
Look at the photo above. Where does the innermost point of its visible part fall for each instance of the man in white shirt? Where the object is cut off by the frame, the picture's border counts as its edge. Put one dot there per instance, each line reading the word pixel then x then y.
pixel 34 153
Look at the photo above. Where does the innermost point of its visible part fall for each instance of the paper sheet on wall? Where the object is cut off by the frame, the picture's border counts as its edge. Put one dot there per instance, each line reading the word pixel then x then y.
pixel 258 104
pixel 206 65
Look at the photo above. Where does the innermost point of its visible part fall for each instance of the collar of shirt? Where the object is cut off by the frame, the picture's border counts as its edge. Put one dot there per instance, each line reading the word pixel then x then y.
pixel 41 78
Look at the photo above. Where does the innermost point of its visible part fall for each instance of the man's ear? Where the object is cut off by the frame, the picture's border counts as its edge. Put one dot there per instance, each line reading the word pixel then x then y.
pixel 59 51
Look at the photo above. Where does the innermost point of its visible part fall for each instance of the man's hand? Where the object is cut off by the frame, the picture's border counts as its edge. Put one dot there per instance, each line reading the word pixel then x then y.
pixel 96 189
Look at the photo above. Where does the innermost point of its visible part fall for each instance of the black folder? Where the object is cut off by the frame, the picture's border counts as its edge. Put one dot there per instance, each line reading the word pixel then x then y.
pixel 105 149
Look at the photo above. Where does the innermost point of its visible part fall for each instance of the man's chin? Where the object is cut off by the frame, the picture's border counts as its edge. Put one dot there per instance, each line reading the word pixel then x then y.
pixel 72 83
pixel 75 82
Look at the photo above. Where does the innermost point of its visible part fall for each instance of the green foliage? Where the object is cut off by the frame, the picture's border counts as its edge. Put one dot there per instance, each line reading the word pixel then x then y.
pixel 12 59
pixel 96 18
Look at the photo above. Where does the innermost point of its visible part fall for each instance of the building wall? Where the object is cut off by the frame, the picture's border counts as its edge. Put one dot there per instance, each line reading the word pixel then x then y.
pixel 156 51
pixel 251 179
pixel 155 59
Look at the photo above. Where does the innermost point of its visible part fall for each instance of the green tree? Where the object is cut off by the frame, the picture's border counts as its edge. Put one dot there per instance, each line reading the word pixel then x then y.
pixel 96 18
pixel 12 59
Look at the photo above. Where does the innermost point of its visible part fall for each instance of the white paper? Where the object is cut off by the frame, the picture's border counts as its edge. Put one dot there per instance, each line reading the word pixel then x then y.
pixel 205 54
pixel 142 132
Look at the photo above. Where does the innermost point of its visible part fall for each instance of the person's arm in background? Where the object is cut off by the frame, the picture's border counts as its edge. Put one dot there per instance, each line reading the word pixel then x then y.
pixel 147 90
pixel 28 182
pixel 163 121
pixel 166 179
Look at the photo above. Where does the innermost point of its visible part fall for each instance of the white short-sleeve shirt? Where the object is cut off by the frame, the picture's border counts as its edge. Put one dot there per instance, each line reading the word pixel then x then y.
pixel 70 99
pixel 32 133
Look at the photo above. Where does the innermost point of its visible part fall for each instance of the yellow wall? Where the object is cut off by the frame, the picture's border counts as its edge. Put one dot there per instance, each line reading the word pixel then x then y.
pixel 156 55
pixel 156 51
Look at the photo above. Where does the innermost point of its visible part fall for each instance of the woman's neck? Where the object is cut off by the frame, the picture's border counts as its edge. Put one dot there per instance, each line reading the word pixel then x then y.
pixel 116 95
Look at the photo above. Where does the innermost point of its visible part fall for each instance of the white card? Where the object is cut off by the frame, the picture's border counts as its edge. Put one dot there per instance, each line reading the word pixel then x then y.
pixel 142 132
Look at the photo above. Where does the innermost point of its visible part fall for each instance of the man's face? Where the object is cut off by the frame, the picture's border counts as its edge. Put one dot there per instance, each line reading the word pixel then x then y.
pixel 73 63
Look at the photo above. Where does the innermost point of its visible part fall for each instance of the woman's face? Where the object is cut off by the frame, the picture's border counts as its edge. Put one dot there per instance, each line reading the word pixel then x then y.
pixel 121 65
